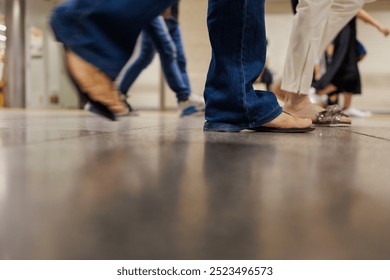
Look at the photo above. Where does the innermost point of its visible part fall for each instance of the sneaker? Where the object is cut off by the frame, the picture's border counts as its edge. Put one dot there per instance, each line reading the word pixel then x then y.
pixel 193 106
pixel 353 112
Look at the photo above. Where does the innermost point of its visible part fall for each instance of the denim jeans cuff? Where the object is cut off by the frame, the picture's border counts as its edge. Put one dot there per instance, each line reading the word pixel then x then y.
pixel 224 127
pixel 275 113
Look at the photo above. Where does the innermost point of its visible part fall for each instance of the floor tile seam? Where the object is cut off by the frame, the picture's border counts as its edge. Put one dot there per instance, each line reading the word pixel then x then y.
pixel 371 136
pixel 49 141
pixel 71 138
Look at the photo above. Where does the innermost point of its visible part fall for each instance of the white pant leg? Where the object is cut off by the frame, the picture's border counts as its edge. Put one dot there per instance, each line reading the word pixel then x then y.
pixel 341 12
pixel 315 25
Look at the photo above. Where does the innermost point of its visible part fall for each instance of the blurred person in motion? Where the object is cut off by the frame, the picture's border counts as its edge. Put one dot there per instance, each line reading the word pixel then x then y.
pixel 163 35
pixel 342 74
pixel 99 37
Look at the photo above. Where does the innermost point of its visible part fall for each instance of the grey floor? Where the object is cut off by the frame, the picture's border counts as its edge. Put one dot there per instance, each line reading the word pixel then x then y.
pixel 74 186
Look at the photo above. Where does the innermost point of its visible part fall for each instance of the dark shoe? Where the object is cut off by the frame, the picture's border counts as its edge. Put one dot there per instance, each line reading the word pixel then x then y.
pixel 132 112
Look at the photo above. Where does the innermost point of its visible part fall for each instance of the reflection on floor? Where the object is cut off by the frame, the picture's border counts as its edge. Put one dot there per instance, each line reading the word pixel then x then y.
pixel 74 186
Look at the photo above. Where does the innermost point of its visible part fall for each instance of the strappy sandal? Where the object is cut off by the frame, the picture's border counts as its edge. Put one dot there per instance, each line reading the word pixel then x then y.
pixel 333 117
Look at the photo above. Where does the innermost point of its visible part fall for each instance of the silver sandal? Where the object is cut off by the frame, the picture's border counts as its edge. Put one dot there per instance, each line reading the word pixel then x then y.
pixel 332 116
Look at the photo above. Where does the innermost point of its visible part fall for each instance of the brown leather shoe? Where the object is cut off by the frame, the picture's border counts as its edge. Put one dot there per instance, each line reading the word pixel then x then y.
pixel 95 86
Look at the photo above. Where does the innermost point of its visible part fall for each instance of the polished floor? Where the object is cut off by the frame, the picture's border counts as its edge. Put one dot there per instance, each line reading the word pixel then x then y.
pixel 74 186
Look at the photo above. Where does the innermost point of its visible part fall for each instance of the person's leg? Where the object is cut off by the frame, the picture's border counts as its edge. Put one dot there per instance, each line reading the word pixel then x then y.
pixel 175 32
pixel 333 98
pixel 349 110
pixel 163 42
pixel 327 90
pixel 237 36
pixel 165 46
pixel 303 48
pixel 347 100
pixel 314 26
pixel 194 101
pixel 99 37
pixel 144 58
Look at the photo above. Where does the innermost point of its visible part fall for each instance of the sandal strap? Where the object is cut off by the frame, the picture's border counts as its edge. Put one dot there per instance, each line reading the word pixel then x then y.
pixel 288 113
pixel 332 115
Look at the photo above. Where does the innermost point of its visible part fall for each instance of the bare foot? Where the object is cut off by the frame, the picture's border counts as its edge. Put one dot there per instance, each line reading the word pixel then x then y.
pixel 285 120
pixel 277 90
pixel 299 105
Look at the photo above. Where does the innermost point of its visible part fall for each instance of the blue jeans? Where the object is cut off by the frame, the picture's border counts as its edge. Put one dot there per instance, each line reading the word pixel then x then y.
pixel 104 32
pixel 238 40
pixel 175 32
pixel 157 36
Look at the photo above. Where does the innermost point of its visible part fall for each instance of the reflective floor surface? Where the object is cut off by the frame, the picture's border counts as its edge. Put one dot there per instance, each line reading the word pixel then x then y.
pixel 75 186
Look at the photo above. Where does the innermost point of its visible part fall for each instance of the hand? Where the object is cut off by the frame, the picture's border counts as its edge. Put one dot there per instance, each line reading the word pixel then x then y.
pixel 384 30
pixel 167 13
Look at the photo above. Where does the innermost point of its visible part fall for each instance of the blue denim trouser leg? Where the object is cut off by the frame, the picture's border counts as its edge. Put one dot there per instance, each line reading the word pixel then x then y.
pixel 158 32
pixel 238 40
pixel 104 32
pixel 156 37
pixel 144 58
pixel 175 32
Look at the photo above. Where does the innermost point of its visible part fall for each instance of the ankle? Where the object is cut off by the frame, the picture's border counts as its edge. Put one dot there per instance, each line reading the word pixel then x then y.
pixel 296 100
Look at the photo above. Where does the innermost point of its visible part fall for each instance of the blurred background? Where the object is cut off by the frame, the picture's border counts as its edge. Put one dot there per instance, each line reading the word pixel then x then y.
pixel 31 65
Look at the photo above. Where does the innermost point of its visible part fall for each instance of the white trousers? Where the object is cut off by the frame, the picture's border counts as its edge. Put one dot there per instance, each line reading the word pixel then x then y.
pixel 315 25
